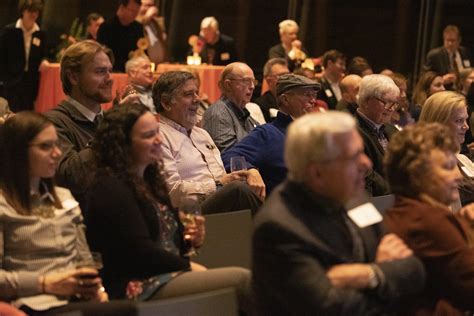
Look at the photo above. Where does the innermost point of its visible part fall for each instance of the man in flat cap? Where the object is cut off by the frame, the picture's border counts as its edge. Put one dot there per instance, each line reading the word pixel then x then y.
pixel 263 147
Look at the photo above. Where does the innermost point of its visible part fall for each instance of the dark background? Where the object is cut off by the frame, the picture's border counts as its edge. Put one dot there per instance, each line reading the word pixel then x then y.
pixel 393 34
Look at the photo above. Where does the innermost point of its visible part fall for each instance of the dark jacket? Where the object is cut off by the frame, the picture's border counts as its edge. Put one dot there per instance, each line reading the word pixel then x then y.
pixel 223 51
pixel 266 102
pixel 326 94
pixel 298 236
pixel 438 60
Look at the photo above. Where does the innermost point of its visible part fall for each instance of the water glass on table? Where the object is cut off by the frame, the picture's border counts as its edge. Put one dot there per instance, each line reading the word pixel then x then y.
pixel 238 163
pixel 190 206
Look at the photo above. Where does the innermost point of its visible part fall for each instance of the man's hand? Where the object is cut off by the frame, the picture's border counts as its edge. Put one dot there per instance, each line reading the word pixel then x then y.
pixel 255 182
pixel 449 78
pixel 468 212
pixel 350 276
pixel 234 176
pixel 391 247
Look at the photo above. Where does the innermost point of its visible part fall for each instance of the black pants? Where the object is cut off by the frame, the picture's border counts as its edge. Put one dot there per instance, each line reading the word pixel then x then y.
pixel 21 94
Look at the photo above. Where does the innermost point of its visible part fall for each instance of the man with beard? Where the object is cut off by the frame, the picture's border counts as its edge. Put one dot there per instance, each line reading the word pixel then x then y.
pixel 227 120
pixel 86 78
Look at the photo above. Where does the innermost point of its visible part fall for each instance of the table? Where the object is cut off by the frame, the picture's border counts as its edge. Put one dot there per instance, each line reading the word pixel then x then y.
pixel 208 74
pixel 50 91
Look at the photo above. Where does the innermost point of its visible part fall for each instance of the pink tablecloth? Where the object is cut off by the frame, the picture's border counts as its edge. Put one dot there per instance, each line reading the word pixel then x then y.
pixel 51 90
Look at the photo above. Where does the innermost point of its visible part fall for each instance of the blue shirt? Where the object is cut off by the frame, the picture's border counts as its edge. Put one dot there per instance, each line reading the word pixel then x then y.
pixel 263 149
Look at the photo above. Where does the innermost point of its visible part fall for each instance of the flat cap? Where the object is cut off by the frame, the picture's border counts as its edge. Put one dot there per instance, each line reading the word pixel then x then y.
pixel 290 81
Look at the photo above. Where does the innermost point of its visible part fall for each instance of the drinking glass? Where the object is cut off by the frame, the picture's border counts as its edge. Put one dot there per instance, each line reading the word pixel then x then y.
pixel 86 259
pixel 190 206
pixel 238 163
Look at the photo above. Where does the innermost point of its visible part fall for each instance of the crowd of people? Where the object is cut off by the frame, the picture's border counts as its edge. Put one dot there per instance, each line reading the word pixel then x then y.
pixel 318 146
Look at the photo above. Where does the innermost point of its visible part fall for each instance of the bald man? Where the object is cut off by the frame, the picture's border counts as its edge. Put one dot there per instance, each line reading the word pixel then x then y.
pixel 349 94
pixel 227 120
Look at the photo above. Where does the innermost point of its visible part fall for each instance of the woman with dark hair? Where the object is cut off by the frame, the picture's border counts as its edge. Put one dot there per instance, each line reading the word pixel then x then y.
pixel 428 84
pixel 41 229
pixel 131 221
pixel 422 171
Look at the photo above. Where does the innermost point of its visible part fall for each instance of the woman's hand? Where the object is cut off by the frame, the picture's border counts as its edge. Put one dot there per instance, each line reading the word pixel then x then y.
pixel 83 282
pixel 234 176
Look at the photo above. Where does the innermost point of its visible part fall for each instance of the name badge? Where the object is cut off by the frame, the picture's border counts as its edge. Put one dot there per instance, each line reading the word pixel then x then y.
pixel 467 63
pixel 365 215
pixel 225 56
pixel 328 93
pixel 36 41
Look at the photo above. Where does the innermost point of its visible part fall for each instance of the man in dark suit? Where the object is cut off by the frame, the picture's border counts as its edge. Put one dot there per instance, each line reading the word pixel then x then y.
pixel 449 59
pixel 311 255
pixel 378 99
pixel 219 49
pixel 22 50
pixel 334 63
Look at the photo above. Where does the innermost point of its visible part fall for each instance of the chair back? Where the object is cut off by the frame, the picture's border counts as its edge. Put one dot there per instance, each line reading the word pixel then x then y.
pixel 212 303
pixel 228 240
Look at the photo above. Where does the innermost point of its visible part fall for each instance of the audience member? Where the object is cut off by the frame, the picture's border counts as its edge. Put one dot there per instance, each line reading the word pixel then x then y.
pixel 22 50
pixel 42 231
pixel 421 168
pixel 312 256
pixel 227 120
pixel 219 49
pixel 86 81
pixel 359 66
pixel 428 84
pixel 191 159
pixel 154 27
pixel 402 116
pixel 450 58
pixel 334 63
pixel 290 47
pixel 450 109
pixel 122 33
pixel 141 79
pixel 263 147
pixel 94 21
pixel 466 76
pixel 131 220
pixel 378 99
pixel 349 94
pixel 272 70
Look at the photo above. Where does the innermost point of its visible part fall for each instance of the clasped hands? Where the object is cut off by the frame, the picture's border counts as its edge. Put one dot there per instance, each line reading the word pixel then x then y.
pixel 83 283
pixel 251 176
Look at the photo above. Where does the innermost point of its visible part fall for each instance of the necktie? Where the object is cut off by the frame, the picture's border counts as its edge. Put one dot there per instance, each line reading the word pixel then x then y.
pixel 98 118
pixel 455 64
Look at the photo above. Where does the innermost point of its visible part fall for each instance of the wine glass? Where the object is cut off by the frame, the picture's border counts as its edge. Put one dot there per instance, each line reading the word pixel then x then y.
pixel 237 163
pixel 190 207
pixel 88 259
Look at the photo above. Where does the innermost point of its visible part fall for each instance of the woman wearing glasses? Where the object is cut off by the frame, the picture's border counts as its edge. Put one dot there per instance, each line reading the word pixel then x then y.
pixel 41 229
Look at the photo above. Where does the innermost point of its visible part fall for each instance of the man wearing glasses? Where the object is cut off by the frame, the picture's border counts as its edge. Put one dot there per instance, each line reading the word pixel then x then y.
pixel 378 99
pixel 227 120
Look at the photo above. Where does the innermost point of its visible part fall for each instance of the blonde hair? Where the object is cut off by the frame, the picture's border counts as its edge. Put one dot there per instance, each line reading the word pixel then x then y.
pixel 287 24
pixel 440 106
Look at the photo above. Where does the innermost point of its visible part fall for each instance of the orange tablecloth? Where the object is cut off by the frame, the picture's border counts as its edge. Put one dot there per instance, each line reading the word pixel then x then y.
pixel 208 74
pixel 51 90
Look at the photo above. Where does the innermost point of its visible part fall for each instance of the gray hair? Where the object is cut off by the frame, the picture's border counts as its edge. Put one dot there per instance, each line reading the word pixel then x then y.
pixel 286 24
pixel 132 63
pixel 267 69
pixel 310 138
pixel 376 86
pixel 210 21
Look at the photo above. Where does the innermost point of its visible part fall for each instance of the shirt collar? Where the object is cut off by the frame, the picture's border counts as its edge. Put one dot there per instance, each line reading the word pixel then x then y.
pixel 369 121
pixel 90 115
pixel 174 125
pixel 19 25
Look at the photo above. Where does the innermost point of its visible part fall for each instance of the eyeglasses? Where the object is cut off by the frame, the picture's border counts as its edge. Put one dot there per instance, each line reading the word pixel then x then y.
pixel 47 146
pixel 246 81
pixel 389 105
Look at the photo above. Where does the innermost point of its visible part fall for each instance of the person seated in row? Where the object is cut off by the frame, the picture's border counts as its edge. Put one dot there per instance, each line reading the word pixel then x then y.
pixel 449 108
pixel 141 80
pixel 423 173
pixel 273 69
pixel 290 47
pixel 154 27
pixel 378 99
pixel 263 147
pixel 42 230
pixel 428 84
pixel 310 255
pixel 227 120
pixel 131 220
pixel 334 63
pixel 192 162
pixel 93 22
pixel 350 85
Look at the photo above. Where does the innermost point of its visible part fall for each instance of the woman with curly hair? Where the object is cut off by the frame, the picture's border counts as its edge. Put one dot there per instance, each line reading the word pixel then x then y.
pixel 422 171
pixel 132 223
